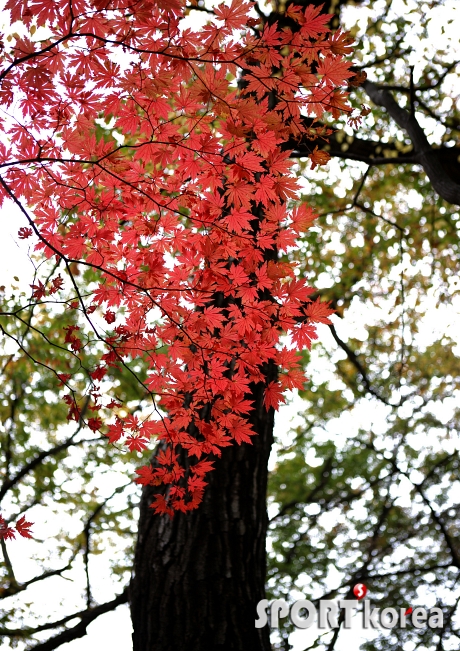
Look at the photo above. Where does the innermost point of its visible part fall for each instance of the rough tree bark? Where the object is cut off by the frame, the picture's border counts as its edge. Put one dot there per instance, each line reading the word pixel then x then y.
pixel 198 577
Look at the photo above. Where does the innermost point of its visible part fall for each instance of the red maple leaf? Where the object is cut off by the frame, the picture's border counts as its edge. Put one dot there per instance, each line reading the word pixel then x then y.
pixel 98 373
pixel 23 527
pixel 56 284
pixel 146 476
pixel 24 233
pixel 136 443
pixel 39 290
pixel 340 43
pixel 238 220
pixel 303 334
pixel 335 71
pixel 319 157
pixel 319 312
pixel 6 532
pixel 273 395
pixel 94 424
pixel 160 505
pixel 315 22
pixel 235 15
pixel 202 467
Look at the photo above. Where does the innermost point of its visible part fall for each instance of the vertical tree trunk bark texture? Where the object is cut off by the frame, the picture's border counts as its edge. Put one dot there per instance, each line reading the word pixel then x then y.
pixel 198 577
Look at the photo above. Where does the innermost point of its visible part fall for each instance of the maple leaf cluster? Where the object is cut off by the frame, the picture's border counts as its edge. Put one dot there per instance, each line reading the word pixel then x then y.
pixel 151 153
pixel 22 527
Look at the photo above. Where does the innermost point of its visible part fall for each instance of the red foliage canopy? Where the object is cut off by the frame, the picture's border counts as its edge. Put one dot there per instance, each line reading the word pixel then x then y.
pixel 151 152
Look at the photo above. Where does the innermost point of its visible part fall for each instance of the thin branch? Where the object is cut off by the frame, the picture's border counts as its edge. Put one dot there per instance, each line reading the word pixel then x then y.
pixel 86 616
pixel 354 359
pixel 423 87
pixel 412 93
pixel 360 186
pixel 20 587
pixel 449 540
pixel 8 565
pixel 325 475
pixel 33 463
pixel 87 534
pixel 385 57
pixel 447 123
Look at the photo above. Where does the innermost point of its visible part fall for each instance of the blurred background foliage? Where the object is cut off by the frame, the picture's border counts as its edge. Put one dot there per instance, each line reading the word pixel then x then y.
pixel 65 477
pixel 365 488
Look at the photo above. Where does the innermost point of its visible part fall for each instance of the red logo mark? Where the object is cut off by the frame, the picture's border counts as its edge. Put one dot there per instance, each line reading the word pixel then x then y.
pixel 360 590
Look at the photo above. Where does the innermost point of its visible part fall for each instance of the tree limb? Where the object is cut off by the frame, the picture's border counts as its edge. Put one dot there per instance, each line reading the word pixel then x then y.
pixel 86 617
pixel 423 152
pixel 31 465
pixel 14 589
pixel 375 152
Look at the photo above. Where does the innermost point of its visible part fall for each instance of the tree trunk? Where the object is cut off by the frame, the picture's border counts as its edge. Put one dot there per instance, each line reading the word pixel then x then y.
pixel 198 577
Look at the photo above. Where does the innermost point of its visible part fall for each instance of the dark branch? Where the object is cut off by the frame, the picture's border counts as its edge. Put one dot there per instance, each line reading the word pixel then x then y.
pixel 423 152
pixel 325 476
pixel 11 590
pixel 86 617
pixel 7 561
pixel 354 359
pixel 375 152
pixel 31 465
